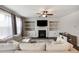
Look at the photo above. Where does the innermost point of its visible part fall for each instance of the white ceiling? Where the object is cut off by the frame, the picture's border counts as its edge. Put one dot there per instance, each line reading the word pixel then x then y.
pixel 31 10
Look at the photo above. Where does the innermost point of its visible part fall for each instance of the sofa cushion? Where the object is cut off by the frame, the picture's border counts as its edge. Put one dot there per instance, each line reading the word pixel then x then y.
pixel 17 38
pixel 14 42
pixel 26 40
pixel 32 46
pixel 7 46
pixel 58 47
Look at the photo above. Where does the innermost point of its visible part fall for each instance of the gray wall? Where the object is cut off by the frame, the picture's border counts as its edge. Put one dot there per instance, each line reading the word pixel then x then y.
pixel 70 24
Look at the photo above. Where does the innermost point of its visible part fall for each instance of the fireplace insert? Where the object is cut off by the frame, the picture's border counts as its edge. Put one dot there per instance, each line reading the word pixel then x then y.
pixel 42 34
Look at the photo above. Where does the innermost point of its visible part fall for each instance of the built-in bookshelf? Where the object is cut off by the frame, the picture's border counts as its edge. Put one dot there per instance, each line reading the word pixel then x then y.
pixel 53 25
pixel 29 25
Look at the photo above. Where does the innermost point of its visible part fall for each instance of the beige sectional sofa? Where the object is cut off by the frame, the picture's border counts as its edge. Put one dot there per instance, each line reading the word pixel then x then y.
pixel 36 47
pixel 39 46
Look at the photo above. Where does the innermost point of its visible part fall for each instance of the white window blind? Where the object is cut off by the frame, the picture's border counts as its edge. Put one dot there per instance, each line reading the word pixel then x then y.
pixel 5 24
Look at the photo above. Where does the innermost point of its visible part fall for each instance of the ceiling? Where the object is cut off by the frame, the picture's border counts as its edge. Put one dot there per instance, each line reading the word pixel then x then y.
pixel 31 10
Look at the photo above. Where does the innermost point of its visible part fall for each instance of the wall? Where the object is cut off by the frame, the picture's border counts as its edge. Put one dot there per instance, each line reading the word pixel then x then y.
pixel 70 24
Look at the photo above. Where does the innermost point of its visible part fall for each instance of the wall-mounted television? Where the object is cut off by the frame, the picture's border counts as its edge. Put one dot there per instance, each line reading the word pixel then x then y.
pixel 42 23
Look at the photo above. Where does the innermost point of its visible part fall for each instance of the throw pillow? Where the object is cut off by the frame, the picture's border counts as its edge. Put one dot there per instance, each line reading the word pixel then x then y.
pixel 26 40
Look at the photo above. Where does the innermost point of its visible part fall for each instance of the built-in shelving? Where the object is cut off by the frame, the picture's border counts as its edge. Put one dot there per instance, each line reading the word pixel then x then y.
pixel 29 25
pixel 53 25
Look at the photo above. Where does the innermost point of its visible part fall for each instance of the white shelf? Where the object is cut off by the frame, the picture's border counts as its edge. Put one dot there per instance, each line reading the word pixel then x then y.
pixel 29 25
pixel 53 25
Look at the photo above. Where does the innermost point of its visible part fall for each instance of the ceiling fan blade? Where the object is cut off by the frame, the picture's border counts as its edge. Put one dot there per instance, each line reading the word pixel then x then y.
pixel 37 13
pixel 49 14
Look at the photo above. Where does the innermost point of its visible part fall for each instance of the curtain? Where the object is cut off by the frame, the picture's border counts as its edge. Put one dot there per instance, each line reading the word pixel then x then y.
pixel 19 25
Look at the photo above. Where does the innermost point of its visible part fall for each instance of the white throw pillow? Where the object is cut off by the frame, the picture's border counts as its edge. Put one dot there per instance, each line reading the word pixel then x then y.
pixel 59 39
pixel 65 38
pixel 26 40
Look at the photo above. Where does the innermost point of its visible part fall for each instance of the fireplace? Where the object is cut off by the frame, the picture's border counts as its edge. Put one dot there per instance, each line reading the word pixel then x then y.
pixel 41 33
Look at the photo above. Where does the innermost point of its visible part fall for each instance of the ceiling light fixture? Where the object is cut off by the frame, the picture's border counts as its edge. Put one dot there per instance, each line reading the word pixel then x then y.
pixel 45 13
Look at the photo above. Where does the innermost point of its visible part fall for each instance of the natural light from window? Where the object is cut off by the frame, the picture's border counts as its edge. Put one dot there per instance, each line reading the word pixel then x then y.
pixel 19 25
pixel 5 25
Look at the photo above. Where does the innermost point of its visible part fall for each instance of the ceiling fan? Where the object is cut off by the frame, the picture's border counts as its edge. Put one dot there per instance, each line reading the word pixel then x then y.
pixel 45 13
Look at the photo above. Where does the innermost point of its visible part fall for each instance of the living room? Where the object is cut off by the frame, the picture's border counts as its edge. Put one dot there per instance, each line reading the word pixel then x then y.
pixel 36 28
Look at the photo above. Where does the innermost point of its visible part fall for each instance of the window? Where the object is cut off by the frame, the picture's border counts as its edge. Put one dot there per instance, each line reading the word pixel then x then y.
pixel 19 25
pixel 5 24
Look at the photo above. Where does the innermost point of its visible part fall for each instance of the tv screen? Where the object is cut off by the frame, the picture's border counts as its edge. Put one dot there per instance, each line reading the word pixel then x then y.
pixel 41 22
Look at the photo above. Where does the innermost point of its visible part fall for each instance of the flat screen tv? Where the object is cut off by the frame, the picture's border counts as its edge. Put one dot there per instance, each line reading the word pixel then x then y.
pixel 41 22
